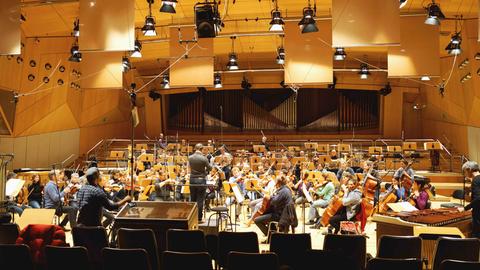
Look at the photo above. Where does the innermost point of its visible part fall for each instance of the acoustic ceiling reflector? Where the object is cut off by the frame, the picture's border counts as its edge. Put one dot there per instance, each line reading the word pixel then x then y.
pixel 418 54
pixel 365 23
pixel 107 25
pixel 10 27
pixel 101 70
pixel 196 67
pixel 308 56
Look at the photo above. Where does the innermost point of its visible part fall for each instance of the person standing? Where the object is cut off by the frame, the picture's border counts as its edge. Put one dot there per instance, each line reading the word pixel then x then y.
pixel 199 168
pixel 471 170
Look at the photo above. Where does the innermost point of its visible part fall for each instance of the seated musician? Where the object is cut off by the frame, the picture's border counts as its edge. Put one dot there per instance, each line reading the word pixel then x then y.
pixel 163 187
pixel 397 188
pixel 264 143
pixel 268 187
pixel 278 201
pixel 92 200
pixel 117 191
pixel 300 197
pixel 213 178
pixel 344 168
pixel 333 154
pixel 35 190
pixel 351 201
pixel 324 193
pixel 370 173
pixel 320 168
pixel 53 199
pixel 421 196
pixel 181 180
pixel 401 171
pixel 108 216
pixel 237 177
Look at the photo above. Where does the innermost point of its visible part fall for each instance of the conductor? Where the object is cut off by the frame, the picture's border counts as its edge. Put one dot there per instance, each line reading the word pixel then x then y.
pixel 199 168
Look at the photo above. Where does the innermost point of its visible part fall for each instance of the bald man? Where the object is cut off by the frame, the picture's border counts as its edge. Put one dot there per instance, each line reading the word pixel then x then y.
pixel 199 168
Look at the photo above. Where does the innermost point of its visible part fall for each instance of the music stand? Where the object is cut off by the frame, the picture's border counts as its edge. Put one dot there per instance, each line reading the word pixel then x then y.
pixel 294 148
pixel 173 146
pixel 147 158
pixel 259 148
pixel 117 154
pixel 141 146
pixel 375 150
pixel 394 149
pixel 310 146
pixel 409 146
pixel 186 149
pixel 432 146
pixel 324 148
pixel 343 147
pixel 324 159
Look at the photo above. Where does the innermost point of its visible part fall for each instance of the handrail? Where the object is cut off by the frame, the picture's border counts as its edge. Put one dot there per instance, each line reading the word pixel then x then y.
pixel 93 148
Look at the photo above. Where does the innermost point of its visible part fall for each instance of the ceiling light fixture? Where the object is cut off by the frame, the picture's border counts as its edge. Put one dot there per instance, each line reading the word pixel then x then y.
pixel 148 28
pixel 280 56
pixel 75 54
pixel 232 58
pixel 364 72
pixel 403 3
pixel 277 23
pixel 76 28
pixel 217 82
pixel 126 65
pixel 165 82
pixel 168 6
pixel 208 21
pixel 339 54
pixel 454 46
pixel 425 78
pixel 307 23
pixel 137 49
pixel 435 14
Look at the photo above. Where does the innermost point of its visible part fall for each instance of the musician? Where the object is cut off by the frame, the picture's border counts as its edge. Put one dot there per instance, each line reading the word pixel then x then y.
pixel 146 164
pixel 351 201
pixel 12 205
pixel 117 191
pixel 471 170
pixel 35 190
pixel 92 200
pixel 268 186
pixel 226 161
pixel 344 168
pixel 163 187
pixel 264 143
pixel 237 177
pixel 53 199
pixel 161 143
pixel 300 197
pixel 399 190
pixel 281 199
pixel 399 172
pixel 212 179
pixel 199 167
pixel 370 173
pixel 421 196
pixel 325 193
pixel 333 154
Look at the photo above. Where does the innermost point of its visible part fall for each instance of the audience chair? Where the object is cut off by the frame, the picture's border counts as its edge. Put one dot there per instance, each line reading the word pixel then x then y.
pixel 92 238
pixel 140 238
pixel 115 259
pixel 8 233
pixel 252 261
pixel 186 261
pixel 290 248
pixel 76 257
pixel 456 265
pixel 211 241
pixel 399 247
pixel 394 264
pixel 235 241
pixel 16 257
pixel 447 248
pixel 329 260
pixel 354 246
pixel 186 240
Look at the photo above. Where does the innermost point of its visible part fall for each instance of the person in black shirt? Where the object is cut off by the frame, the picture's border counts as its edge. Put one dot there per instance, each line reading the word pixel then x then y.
pixel 471 170
pixel 92 199
pixel 264 142
pixel 35 192
pixel 199 167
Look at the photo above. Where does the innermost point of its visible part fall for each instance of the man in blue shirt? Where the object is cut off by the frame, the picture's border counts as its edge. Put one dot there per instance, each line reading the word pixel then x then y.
pixel 53 199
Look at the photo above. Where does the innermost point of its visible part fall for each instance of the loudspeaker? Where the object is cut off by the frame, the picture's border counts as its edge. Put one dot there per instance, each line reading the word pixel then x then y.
pixel 204 20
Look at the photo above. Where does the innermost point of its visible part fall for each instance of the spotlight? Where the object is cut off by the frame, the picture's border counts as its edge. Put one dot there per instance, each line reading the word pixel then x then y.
pixel 403 3
pixel 165 82
pixel 425 78
pixel 126 65
pixel 245 84
pixel 307 23
pixel 232 62
pixel 280 56
pixel 154 95
pixel 386 90
pixel 137 49
pixel 207 20
pixel 76 55
pixel 168 6
pixel 435 14
pixel 339 54
pixel 217 82
pixel 277 23
pixel 76 28
pixel 364 72
pixel 149 28
pixel 453 47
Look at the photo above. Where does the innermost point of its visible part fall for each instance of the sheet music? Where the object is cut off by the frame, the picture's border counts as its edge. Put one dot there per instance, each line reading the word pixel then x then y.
pixel 402 207
pixel 238 195
pixel 13 187
pixel 306 193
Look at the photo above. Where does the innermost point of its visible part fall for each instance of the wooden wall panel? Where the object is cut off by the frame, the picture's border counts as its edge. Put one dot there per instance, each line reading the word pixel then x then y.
pixel 365 23
pixel 10 27
pixel 104 70
pixel 107 25
pixel 418 54
pixel 306 61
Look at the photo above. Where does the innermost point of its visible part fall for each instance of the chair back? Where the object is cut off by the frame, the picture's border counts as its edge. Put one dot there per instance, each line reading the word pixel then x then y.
pixel 290 248
pixel 455 265
pixel 38 236
pixel 8 233
pixel 400 247
pixel 186 261
pixel 77 255
pixel 252 261
pixel 329 260
pixel 16 257
pixel 115 259
pixel 235 241
pixel 448 248
pixel 394 264
pixel 186 240
pixel 140 238
pixel 354 246
pixel 92 238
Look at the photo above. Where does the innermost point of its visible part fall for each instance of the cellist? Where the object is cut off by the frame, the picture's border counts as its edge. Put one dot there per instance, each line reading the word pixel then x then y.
pixel 405 171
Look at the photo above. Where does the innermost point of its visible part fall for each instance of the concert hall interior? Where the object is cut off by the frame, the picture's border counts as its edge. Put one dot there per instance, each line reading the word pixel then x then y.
pixel 237 134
